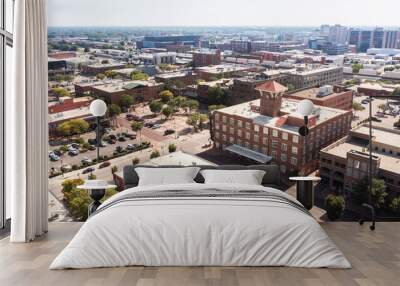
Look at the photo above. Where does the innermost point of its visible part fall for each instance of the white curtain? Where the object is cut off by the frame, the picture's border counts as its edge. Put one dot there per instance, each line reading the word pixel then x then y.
pixel 27 127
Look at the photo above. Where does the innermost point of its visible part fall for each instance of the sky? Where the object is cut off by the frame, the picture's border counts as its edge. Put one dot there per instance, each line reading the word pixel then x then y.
pixel 223 12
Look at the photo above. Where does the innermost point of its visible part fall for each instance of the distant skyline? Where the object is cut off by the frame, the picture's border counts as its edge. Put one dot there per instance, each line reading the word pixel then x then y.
pixel 119 13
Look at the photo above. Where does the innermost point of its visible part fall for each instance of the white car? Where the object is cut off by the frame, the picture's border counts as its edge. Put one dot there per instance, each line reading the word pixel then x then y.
pixel 53 156
pixel 73 152
pixel 66 168
pixel 86 160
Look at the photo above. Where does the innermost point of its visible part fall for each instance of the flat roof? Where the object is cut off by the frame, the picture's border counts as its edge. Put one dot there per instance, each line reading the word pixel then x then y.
pixel 70 114
pixel 222 68
pixel 312 93
pixel 381 136
pixel 289 106
pixel 179 158
pixel 313 70
pixel 119 86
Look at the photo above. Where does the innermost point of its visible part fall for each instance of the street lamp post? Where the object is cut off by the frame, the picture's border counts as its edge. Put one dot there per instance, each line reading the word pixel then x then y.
pixel 305 108
pixel 98 108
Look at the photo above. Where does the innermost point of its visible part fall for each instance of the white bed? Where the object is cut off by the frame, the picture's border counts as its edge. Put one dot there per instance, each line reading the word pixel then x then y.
pixel 184 230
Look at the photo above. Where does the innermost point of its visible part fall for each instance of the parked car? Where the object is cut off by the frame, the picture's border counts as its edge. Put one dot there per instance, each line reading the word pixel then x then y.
pixel 103 144
pixel 104 165
pixel 73 145
pixel 88 170
pixel 112 136
pixel 86 160
pixel 121 139
pixel 130 147
pixel 148 124
pixel 57 152
pixel 53 156
pixel 130 136
pixel 129 117
pixel 155 126
pixel 111 141
pixel 66 168
pixel 169 131
pixel 73 152
pixel 91 148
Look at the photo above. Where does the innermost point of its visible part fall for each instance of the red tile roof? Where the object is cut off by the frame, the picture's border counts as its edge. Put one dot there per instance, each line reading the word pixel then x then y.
pixel 271 86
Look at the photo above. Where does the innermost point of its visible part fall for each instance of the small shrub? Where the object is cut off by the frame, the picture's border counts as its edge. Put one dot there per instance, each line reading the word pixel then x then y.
pixel 154 154
pixel 171 148
pixel 394 205
pixel 75 167
pixel 79 140
pixel 334 206
pixel 64 148
pixel 114 169
pixel 135 161
pixel 92 176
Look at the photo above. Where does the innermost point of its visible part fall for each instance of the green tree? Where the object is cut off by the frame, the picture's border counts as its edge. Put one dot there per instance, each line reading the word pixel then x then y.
pixel 154 154
pixel 137 75
pixel 76 200
pixel 357 107
pixel 166 96
pixel 192 104
pixel 194 120
pixel 360 192
pixel 137 126
pixel 156 106
pixel 178 101
pixel 101 76
pixel 290 87
pixel 216 95
pixel 126 101
pixel 334 206
pixel 394 205
pixel 73 127
pixel 61 92
pixel 167 111
pixel 110 74
pixel 202 119
pixel 357 67
pixel 171 148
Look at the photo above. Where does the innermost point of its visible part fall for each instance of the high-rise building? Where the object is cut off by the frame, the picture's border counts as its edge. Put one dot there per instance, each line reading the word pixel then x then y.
pixel 338 34
pixel 377 38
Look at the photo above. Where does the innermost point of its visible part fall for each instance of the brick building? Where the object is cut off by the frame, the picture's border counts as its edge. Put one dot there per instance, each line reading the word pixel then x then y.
pixel 241 46
pixel 184 77
pixel 211 73
pixel 94 69
pixel 206 57
pixel 374 89
pixel 140 90
pixel 328 96
pixel 309 76
pixel 68 103
pixel 346 161
pixel 267 130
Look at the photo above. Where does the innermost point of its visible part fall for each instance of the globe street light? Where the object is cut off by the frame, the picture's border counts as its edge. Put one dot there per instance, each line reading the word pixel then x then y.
pixel 305 108
pixel 98 108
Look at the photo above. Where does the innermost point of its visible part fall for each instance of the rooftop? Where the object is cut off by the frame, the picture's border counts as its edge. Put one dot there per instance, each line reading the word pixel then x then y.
pixel 289 106
pixel 272 86
pixel 217 69
pixel 316 93
pixel 389 162
pixel 310 69
pixel 124 85
pixel 70 114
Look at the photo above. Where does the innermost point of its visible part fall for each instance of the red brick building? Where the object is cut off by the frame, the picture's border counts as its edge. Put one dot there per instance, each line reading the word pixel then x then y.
pixel 203 58
pixel 67 103
pixel 268 128
pixel 140 90
pixel 328 96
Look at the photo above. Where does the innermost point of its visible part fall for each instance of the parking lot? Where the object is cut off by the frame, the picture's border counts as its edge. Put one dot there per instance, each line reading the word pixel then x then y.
pixel 386 119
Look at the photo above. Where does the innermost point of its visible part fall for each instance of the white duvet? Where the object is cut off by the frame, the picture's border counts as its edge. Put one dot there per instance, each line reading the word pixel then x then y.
pixel 200 232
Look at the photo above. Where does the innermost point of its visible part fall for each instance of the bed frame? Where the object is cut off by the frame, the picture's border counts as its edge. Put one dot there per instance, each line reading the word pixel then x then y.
pixel 271 179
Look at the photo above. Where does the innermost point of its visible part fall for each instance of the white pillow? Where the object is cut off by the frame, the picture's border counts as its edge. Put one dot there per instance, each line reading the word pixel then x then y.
pixel 246 177
pixel 166 176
